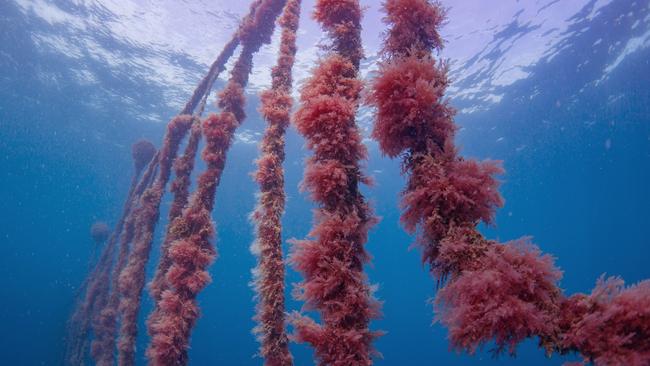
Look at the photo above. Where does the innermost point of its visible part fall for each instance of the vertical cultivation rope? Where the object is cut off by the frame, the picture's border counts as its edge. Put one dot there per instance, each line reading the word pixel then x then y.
pixel 269 274
pixel 192 252
pixel 332 262
pixel 490 292
pixel 132 277
pixel 184 166
pixel 446 196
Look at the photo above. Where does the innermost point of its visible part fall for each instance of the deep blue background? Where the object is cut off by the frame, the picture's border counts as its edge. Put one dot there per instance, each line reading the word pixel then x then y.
pixel 578 172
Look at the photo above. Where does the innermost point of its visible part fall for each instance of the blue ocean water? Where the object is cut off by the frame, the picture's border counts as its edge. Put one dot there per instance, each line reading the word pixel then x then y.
pixel 572 129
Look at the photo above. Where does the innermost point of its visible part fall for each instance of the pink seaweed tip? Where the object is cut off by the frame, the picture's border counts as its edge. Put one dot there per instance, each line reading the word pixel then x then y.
pixel 610 326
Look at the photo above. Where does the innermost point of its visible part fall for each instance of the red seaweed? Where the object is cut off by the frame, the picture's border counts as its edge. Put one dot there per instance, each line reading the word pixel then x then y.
pixel 611 326
pixel 332 261
pixel 510 295
pixel 132 277
pixel 269 274
pixel 489 292
pixel 183 167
